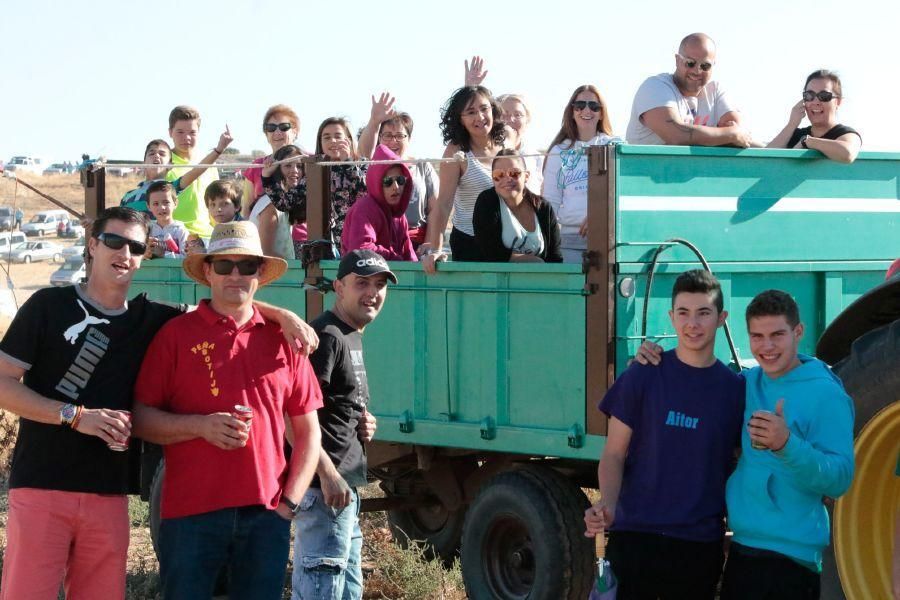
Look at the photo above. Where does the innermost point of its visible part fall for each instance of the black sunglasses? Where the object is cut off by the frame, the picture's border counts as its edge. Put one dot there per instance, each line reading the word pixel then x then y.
pixel 581 104
pixel 389 181
pixel 247 266
pixel 117 242
pixel 824 96
pixel 690 63
pixel 271 127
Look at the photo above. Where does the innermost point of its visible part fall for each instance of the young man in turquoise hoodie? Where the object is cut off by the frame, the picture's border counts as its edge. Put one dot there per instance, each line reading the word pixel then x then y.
pixel 796 449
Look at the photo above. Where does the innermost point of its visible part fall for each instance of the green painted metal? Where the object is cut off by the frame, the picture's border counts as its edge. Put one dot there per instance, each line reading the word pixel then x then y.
pixel 491 357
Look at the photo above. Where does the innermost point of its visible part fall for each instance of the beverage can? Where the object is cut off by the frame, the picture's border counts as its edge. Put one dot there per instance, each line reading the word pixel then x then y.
pixel 243 412
pixel 754 444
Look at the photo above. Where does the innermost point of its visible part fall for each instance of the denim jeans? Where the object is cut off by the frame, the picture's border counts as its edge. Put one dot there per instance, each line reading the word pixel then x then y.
pixel 327 549
pixel 572 245
pixel 252 542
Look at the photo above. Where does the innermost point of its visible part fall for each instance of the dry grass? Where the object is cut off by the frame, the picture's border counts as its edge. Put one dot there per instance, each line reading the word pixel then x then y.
pixel 65 188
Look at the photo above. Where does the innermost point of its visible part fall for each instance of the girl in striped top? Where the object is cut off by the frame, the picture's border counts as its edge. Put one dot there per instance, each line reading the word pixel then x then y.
pixel 470 123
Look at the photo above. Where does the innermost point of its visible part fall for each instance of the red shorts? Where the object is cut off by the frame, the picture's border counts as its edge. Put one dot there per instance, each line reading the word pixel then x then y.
pixel 74 538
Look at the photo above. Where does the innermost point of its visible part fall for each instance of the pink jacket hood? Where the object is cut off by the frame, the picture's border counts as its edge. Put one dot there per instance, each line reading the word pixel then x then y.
pixel 376 173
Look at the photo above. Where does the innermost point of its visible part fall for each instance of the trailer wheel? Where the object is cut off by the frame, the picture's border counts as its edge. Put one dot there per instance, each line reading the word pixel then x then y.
pixel 524 538
pixel 863 517
pixel 437 529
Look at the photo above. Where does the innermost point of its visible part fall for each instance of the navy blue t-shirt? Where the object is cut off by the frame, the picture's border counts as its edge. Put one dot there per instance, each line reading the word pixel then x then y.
pixel 686 423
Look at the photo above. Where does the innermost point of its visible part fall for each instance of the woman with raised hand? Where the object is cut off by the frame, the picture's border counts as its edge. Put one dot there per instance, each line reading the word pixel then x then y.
pixel 470 125
pixel 820 102
pixel 585 122
pixel 281 126
pixel 517 116
pixel 275 226
pixel 334 142
pixel 513 224
pixel 394 130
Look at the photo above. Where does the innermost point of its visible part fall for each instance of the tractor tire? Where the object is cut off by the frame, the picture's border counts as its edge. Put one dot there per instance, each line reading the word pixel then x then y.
pixel 524 538
pixel 863 518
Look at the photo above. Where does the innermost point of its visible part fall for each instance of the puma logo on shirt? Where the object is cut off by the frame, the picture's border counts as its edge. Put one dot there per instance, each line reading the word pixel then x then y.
pixel 679 419
pixel 71 334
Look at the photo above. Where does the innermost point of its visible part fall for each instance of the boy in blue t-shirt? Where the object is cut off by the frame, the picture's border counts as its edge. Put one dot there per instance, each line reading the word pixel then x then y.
pixel 673 430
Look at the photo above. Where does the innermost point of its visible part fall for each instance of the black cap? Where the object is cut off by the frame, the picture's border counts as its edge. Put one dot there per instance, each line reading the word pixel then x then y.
pixel 364 263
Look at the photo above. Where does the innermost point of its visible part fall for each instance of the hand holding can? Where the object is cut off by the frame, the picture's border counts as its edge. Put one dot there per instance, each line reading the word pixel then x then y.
pixel 116 446
pixel 244 413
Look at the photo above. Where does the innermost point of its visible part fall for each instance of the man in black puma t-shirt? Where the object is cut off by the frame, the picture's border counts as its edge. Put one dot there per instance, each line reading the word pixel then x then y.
pixel 328 541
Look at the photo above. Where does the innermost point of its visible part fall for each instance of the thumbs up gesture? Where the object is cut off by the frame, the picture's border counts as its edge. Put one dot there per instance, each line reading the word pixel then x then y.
pixel 769 429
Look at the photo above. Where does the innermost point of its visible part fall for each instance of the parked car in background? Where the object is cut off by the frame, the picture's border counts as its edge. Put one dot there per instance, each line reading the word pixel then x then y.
pixel 23 164
pixel 35 251
pixel 45 222
pixel 7 218
pixel 9 241
pixel 70 228
pixel 75 250
pixel 71 272
pixel 55 169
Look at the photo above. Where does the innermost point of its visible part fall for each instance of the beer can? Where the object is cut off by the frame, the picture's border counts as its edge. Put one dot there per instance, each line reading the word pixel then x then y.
pixel 242 412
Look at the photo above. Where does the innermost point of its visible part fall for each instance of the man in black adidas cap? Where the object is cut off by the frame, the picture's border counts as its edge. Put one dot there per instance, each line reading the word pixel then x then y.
pixel 328 541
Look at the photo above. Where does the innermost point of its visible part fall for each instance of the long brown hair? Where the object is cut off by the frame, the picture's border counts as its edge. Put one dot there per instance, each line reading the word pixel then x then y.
pixel 569 131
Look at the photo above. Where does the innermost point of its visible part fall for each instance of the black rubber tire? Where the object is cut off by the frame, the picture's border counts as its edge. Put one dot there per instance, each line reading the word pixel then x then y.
pixel 524 538
pixel 435 528
pixel 872 378
pixel 27 259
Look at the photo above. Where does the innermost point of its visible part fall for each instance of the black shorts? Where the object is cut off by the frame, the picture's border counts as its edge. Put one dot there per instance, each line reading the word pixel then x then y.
pixel 752 574
pixel 650 566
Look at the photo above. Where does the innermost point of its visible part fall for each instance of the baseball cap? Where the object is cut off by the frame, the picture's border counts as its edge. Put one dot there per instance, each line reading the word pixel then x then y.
pixel 364 263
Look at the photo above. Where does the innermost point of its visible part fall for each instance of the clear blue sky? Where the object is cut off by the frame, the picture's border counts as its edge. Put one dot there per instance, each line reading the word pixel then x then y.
pixel 100 77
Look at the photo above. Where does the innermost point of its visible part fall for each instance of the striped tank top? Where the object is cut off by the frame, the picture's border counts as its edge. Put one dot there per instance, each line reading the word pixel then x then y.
pixel 476 179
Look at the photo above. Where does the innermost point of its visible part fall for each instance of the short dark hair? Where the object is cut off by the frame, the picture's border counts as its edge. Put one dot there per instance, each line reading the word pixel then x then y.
pixel 698 281
pixel 119 213
pixel 155 143
pixel 161 185
pixel 831 76
pixel 183 113
pixel 774 303
pixel 399 120
pixel 223 188
pixel 452 129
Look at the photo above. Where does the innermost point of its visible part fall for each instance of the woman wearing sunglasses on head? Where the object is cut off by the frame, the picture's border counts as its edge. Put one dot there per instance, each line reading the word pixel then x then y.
pixel 820 102
pixel 281 126
pixel 377 221
pixel 470 124
pixel 513 224
pixel 585 122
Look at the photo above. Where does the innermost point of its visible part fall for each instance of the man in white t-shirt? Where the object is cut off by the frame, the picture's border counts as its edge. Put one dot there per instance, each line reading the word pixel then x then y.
pixel 686 108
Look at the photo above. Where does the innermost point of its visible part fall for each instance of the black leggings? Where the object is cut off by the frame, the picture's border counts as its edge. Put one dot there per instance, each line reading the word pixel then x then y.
pixel 464 247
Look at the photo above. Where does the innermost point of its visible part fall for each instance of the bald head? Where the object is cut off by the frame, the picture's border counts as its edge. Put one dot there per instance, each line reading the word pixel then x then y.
pixel 697 41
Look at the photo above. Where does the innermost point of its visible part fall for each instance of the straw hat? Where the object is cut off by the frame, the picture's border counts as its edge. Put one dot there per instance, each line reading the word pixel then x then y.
pixel 236 237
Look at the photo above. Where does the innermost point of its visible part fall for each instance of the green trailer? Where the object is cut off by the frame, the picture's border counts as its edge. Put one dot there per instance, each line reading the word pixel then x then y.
pixel 485 377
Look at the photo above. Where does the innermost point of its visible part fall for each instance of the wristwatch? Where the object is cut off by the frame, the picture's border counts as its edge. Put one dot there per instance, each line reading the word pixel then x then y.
pixel 67 414
pixel 293 506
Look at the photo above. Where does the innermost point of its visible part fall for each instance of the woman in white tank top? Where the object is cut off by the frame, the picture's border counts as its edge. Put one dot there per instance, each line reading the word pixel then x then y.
pixel 470 123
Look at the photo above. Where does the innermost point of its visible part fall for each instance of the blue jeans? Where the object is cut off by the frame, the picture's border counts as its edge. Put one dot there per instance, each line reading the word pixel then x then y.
pixel 572 245
pixel 253 542
pixel 327 550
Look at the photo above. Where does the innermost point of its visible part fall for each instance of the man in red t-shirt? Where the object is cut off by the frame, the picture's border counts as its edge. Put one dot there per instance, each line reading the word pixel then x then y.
pixel 229 493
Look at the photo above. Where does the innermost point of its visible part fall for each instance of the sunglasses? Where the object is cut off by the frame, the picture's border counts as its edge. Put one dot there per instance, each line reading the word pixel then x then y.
pixel 389 181
pixel 117 242
pixel 690 63
pixel 581 104
pixel 824 96
pixel 271 127
pixel 514 173
pixel 247 266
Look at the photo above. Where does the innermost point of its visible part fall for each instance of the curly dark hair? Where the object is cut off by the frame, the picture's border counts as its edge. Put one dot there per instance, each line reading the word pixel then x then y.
pixel 452 128
pixel 774 303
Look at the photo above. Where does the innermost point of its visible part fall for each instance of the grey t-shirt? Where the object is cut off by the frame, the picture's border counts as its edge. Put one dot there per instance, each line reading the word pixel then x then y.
pixel 660 90
pixel 425 186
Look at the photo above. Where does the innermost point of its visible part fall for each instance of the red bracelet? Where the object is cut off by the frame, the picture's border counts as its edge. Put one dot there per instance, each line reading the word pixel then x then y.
pixel 77 418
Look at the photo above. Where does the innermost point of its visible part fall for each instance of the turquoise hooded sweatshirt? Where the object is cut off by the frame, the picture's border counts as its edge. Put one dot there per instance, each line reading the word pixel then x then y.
pixel 775 498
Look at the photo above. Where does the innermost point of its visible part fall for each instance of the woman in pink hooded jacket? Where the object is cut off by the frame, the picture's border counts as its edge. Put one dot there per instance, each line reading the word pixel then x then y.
pixel 377 221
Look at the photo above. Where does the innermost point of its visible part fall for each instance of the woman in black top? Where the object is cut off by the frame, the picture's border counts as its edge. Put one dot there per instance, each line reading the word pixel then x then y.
pixel 821 98
pixel 511 223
